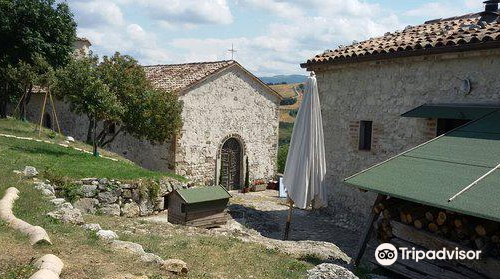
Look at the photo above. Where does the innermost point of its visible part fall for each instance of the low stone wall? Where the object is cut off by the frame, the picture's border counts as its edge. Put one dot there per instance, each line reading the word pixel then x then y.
pixel 116 198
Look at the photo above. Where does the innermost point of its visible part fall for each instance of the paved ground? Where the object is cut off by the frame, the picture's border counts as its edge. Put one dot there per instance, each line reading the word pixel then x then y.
pixel 266 213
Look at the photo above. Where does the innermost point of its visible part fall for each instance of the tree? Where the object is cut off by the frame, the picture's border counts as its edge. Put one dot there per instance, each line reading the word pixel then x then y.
pixel 31 30
pixel 148 113
pixel 80 85
pixel 131 104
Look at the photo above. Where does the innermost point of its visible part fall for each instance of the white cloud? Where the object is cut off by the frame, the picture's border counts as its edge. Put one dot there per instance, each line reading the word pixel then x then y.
pixel 443 9
pixel 192 12
pixel 97 13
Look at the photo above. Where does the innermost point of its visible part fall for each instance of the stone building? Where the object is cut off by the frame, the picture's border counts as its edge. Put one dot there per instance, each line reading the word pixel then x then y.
pixel 443 73
pixel 230 123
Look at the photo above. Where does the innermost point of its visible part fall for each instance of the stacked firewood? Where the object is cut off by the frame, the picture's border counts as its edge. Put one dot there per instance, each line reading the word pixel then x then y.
pixel 472 232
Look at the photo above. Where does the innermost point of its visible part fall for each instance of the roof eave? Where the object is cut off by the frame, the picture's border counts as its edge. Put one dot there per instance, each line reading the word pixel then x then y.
pixel 401 54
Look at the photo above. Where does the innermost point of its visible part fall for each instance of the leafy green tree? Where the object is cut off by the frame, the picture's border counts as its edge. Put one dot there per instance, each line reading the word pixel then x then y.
pixel 80 85
pixel 282 155
pixel 148 113
pixel 31 30
pixel 135 107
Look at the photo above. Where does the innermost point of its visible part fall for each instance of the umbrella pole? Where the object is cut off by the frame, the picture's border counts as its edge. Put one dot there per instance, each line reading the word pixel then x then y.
pixel 288 219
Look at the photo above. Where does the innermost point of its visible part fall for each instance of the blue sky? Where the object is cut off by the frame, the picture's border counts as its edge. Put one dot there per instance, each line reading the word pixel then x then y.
pixel 271 36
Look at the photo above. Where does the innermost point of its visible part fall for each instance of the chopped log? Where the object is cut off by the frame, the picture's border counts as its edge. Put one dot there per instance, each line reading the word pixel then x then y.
pixel 495 239
pixel 421 223
pixel 402 217
pixel 429 216
pixel 486 228
pixel 433 227
pixel 441 218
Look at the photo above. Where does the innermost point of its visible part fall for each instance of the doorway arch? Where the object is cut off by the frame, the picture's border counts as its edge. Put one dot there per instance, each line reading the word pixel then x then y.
pixel 231 158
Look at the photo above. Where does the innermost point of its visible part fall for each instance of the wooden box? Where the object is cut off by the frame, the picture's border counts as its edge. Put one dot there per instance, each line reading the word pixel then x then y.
pixel 203 207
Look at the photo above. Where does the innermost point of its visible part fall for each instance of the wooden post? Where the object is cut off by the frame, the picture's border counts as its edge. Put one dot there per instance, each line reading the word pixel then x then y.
pixel 368 230
pixel 41 116
pixel 288 219
pixel 54 111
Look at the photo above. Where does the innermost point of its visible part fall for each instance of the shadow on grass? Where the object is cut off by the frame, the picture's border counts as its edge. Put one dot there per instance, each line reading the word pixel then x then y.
pixel 42 150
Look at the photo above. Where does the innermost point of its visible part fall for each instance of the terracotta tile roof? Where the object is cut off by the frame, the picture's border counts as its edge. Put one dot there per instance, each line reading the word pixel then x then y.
pixel 177 77
pixel 447 35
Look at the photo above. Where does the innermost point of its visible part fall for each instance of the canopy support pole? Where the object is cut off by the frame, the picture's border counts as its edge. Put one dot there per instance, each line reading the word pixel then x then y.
pixel 288 219
pixel 474 183
pixel 368 230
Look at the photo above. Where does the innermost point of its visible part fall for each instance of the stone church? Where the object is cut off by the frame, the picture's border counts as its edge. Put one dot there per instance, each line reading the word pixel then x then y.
pixel 385 95
pixel 230 124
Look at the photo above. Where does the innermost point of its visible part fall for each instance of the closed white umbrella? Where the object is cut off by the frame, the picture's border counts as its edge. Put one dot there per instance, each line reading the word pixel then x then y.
pixel 305 169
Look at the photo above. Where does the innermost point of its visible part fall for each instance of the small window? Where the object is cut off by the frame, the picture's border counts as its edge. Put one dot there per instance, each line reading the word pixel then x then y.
pixel 365 135
pixel 446 125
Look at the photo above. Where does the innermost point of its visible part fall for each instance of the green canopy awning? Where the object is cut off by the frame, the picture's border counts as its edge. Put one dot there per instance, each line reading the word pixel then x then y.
pixel 468 112
pixel 434 172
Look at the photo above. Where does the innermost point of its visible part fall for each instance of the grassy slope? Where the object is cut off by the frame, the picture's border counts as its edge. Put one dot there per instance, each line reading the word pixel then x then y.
pixel 84 256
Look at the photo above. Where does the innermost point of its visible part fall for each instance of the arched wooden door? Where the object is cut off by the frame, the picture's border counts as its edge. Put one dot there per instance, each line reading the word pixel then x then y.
pixel 231 163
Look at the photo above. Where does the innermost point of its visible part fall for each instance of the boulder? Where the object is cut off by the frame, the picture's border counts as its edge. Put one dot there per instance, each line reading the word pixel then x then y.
pixel 92 227
pixel 70 139
pixel 67 215
pixel 111 209
pixel 108 197
pixel 159 204
pixel 58 201
pixel 88 191
pixel 30 171
pixel 127 194
pixel 130 210
pixel 330 271
pixel 87 205
pixel 107 235
pixel 131 247
pixel 152 258
pixel 145 207
pixel 175 266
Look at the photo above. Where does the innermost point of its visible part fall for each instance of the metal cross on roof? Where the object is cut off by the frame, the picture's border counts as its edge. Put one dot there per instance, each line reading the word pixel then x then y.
pixel 232 50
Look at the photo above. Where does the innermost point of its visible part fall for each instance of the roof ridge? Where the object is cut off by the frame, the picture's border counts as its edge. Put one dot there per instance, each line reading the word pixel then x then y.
pixel 192 63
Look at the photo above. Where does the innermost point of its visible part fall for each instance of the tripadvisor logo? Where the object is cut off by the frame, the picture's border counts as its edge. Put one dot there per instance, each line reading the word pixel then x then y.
pixel 387 254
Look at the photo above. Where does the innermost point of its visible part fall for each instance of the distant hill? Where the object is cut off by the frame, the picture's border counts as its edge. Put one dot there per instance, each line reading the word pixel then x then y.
pixel 284 78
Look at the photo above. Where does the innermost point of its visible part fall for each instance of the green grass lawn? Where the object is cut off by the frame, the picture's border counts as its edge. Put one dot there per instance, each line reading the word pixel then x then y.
pixel 62 161
pixel 86 257
pixel 285 133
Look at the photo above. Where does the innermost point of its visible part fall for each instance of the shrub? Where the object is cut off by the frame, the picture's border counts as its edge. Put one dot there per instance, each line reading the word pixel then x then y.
pixel 288 101
pixel 282 155
pixel 293 112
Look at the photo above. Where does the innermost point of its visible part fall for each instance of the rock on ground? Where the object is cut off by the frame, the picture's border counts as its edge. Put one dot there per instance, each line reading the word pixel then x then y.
pixel 111 209
pixel 87 205
pixel 330 271
pixel 30 171
pixel 107 235
pixel 67 214
pixel 92 227
pixel 130 210
pixel 175 266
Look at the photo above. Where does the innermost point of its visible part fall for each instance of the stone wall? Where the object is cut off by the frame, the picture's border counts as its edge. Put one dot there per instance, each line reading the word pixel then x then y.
pixel 381 91
pixel 229 104
pixel 112 197
pixel 143 153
